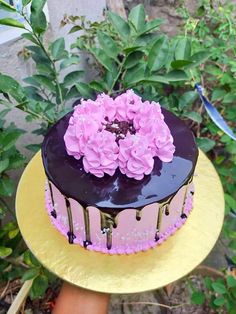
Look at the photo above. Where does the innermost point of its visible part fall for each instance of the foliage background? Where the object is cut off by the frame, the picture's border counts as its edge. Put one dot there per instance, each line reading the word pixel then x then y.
pixel 126 54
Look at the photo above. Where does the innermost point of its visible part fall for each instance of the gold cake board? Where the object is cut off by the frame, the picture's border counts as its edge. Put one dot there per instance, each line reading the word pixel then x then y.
pixel 139 272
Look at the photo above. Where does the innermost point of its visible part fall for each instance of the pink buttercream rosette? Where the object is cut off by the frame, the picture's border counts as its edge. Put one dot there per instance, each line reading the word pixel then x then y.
pixel 123 133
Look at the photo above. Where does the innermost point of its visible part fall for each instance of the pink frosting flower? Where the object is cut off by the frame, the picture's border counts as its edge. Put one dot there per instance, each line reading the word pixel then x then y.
pixel 127 105
pixel 123 132
pixel 101 153
pixel 135 157
pixel 108 105
pixel 80 130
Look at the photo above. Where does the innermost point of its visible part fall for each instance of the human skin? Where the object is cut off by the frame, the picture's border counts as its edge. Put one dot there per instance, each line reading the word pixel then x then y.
pixel 75 300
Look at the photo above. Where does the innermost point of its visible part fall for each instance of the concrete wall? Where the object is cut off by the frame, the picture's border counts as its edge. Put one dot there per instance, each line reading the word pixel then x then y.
pixel 165 9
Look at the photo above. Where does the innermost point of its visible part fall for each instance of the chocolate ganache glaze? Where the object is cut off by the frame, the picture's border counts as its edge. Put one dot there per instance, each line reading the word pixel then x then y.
pixel 112 194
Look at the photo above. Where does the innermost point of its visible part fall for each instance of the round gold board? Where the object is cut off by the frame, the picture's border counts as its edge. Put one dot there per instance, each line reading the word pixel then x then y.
pixel 138 272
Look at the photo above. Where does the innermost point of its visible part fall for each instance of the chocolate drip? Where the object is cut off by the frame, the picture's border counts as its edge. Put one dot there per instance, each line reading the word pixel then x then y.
pixel 159 219
pixel 53 212
pixel 71 237
pixel 138 215
pixel 167 212
pixel 87 228
pixel 107 223
pixel 70 233
pixel 183 215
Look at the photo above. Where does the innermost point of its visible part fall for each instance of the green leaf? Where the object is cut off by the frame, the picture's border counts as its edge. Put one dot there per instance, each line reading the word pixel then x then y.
pixel 176 75
pixel 37 6
pixel 11 22
pixel 230 201
pixel 205 144
pixel 232 244
pixel 39 55
pixel 72 78
pixel 198 298
pixel 183 49
pixel 6 186
pixel 231 281
pixel 39 287
pixel 13 233
pixel 97 86
pixel 133 59
pixel 229 98
pixel 37 18
pixel 5 251
pixel 158 54
pixel 200 57
pixel 4 112
pixel 69 61
pixel 195 116
pixel 30 260
pixel 9 139
pixel 219 287
pixel 34 147
pixel 84 90
pixel 30 274
pixel 177 64
pixel 218 94
pixel 137 17
pixel 151 25
pixel 10 86
pixel 100 55
pixel 208 283
pixel 120 25
pixel 29 37
pixel 108 45
pixel 45 68
pixel 6 6
pixel 219 301
pixel 75 28
pixel 155 79
pixel 135 74
pixel 187 99
pixel 44 81
pixel 57 48
pixel 72 93
pixel 3 165
pixel 25 2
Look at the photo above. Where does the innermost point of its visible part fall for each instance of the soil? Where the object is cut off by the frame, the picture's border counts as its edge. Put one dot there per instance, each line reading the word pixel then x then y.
pixel 173 299
pixel 38 306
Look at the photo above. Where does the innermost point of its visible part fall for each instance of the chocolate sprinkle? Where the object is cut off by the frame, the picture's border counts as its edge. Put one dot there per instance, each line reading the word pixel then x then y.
pixel 120 128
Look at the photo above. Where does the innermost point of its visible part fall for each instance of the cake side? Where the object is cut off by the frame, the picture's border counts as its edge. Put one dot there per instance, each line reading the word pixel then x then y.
pixel 128 232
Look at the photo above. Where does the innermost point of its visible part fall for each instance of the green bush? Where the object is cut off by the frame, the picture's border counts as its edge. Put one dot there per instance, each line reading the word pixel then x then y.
pixel 126 54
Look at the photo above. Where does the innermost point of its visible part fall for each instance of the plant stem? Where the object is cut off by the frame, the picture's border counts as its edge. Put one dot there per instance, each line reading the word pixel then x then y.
pixel 117 76
pixel 15 262
pixel 40 43
pixel 38 116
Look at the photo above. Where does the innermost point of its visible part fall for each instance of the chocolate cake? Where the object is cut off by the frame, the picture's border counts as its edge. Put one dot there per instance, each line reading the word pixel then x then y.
pixel 122 213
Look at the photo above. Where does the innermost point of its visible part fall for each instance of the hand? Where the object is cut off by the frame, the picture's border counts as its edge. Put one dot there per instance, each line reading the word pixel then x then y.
pixel 74 300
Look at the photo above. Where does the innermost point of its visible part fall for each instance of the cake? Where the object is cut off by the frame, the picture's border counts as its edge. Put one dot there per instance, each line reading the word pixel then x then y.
pixel 119 174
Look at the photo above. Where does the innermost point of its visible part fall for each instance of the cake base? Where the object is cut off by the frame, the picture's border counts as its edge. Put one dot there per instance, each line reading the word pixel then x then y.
pixel 138 272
